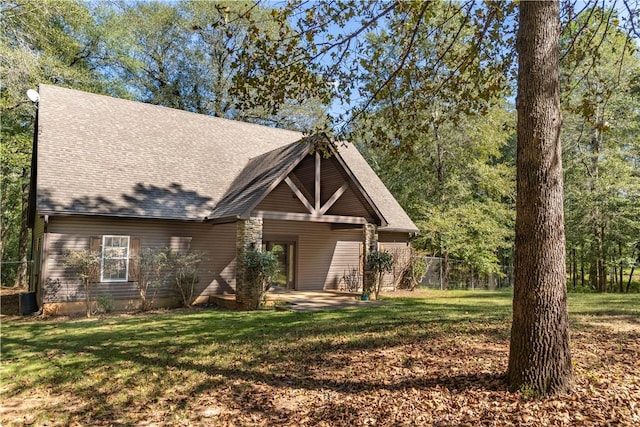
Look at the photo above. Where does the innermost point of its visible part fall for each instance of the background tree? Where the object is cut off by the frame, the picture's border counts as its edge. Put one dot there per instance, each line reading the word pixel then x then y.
pixel 186 55
pixel 40 42
pixel 601 127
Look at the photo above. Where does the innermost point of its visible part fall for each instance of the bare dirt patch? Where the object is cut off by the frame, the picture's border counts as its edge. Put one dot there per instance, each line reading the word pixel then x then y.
pixel 10 301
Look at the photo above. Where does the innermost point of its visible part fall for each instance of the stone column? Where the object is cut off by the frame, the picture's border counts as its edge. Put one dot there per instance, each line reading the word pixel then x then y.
pixel 370 241
pixel 248 236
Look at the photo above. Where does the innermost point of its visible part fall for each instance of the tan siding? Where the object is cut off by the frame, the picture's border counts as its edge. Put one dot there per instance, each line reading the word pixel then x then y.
pixel 331 177
pixel 396 244
pixel 391 236
pixel 323 254
pixel 349 204
pixel 282 199
pixel 217 272
pixel 305 172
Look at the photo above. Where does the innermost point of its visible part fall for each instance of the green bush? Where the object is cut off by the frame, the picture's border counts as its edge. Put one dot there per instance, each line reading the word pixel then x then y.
pixel 261 268
pixel 86 266
pixel 378 263
pixel 104 303
pixel 186 275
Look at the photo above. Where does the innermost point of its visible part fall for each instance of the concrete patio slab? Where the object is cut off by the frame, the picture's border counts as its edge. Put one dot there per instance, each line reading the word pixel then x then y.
pixel 292 300
pixel 285 299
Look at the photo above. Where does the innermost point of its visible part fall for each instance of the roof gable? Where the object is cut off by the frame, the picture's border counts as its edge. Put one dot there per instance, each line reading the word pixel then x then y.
pixel 98 155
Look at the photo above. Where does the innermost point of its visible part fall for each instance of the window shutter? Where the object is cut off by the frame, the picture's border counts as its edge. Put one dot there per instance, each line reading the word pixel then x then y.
pixel 95 247
pixel 134 259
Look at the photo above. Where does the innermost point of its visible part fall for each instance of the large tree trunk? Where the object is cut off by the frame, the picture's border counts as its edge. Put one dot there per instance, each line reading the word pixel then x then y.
pixel 539 357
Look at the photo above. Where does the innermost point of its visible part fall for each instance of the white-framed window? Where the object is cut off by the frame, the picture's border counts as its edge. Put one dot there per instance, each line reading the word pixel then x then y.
pixel 115 259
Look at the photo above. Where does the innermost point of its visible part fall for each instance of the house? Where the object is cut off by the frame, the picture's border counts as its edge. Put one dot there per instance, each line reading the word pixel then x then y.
pixel 116 176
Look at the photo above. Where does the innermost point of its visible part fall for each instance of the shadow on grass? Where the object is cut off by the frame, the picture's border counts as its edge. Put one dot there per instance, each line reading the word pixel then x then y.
pixel 279 349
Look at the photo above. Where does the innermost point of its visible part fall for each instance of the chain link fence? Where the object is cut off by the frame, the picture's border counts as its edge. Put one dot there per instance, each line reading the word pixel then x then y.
pixel 459 275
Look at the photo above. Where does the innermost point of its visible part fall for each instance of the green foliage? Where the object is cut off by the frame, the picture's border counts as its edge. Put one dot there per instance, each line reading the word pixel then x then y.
pixel 261 268
pixel 86 265
pixel 156 265
pixel 185 275
pixel 601 149
pixel 462 192
pixel 45 41
pixel 378 263
pixel 203 57
pixel 104 303
pixel 415 271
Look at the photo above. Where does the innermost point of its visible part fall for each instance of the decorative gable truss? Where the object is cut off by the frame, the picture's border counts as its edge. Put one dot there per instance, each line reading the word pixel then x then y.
pixel 310 194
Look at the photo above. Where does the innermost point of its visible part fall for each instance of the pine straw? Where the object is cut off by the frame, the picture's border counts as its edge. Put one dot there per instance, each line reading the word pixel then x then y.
pixel 412 373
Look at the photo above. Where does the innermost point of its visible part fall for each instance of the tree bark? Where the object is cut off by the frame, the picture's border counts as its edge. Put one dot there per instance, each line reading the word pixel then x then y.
pixel 21 279
pixel 539 356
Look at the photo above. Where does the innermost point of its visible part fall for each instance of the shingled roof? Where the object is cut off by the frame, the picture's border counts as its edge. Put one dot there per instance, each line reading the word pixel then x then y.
pixel 99 155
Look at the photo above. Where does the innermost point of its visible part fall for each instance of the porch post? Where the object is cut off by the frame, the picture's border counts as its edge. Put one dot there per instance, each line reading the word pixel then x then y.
pixel 248 236
pixel 370 242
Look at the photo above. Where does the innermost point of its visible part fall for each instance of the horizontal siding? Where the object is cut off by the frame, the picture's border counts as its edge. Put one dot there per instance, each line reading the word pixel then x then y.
pixel 323 254
pixel 349 204
pixel 393 237
pixel 306 172
pixel 331 177
pixel 217 243
pixel 282 199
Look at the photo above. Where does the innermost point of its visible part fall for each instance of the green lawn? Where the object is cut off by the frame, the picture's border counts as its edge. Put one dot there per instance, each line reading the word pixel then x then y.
pixel 436 358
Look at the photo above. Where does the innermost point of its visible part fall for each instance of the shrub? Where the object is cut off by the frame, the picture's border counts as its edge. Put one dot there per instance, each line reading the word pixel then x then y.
pixel 86 265
pixel 378 263
pixel 352 279
pixel 414 273
pixel 104 303
pixel 185 276
pixel 155 268
pixel 261 268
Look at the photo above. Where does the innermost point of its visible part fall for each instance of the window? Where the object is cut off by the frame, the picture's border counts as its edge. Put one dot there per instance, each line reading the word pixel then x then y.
pixel 115 259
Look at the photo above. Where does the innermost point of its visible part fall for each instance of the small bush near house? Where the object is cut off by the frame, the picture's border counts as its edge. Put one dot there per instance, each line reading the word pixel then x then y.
pixel 351 279
pixel 185 278
pixel 262 267
pixel 104 303
pixel 414 273
pixel 86 265
pixel 378 263
pixel 155 266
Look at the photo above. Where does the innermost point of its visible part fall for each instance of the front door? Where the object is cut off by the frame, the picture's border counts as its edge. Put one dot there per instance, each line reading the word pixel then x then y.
pixel 285 252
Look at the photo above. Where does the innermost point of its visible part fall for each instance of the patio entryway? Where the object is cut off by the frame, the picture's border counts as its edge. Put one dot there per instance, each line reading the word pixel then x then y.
pixel 286 299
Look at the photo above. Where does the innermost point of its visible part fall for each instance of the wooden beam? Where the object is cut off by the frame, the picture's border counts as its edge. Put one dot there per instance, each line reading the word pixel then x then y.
pixel 334 198
pixel 292 216
pixel 301 196
pixel 317 180
pixel 294 178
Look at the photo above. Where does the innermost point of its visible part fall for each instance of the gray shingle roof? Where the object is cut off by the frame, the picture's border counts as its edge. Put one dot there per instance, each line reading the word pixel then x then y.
pixel 99 155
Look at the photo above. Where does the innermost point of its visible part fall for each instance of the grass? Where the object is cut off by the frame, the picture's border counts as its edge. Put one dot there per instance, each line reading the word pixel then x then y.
pixel 272 367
